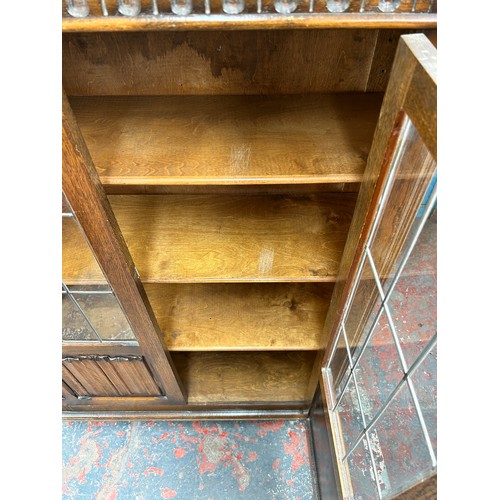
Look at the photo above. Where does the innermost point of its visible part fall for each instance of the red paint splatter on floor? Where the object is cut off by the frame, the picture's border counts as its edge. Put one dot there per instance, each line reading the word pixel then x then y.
pixel 81 476
pixel 276 464
pixel 296 448
pixel 191 439
pixel 180 452
pixel 153 470
pixel 252 456
pixel 163 436
pixel 266 427
pixel 168 493
pixel 120 434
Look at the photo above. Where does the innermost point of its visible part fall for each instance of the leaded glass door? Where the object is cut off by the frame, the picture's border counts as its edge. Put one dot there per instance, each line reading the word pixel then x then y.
pixel 112 354
pixel 379 374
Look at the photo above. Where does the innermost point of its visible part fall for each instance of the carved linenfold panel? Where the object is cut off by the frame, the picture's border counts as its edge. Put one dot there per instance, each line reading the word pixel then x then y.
pixel 103 375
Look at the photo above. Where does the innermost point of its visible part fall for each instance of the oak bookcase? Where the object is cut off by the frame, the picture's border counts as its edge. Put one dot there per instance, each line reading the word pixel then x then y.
pixel 216 162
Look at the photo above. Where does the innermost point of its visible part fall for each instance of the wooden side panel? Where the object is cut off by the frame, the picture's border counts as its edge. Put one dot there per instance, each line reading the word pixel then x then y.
pixel 226 62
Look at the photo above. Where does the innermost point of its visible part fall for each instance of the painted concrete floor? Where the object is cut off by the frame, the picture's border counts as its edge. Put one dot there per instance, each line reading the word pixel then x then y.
pixel 209 460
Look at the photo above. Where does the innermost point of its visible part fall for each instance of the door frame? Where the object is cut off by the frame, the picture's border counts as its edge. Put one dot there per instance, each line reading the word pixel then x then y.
pixel 412 92
pixel 92 210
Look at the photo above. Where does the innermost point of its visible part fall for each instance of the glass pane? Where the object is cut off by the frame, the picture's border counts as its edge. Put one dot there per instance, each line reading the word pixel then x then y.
pixel 104 312
pixel 379 369
pixel 361 473
pixel 413 303
pixel 400 451
pixel 408 190
pixel 350 416
pixel 425 382
pixel 82 273
pixel 363 310
pixel 78 262
pixel 74 325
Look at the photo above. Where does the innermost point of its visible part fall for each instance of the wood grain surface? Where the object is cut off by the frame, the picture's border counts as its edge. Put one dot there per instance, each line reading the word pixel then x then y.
pixel 227 62
pixel 252 238
pixel 208 238
pixel 229 139
pixel 212 377
pixel 240 316
pixel 425 490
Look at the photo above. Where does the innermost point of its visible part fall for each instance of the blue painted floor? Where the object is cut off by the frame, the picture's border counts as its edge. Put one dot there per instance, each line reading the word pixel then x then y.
pixel 209 460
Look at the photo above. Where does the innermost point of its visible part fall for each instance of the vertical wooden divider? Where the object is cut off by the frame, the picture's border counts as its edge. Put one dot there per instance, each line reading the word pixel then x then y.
pixel 85 194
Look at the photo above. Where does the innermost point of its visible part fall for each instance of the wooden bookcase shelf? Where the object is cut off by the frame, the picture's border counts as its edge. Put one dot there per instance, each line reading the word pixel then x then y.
pixel 240 316
pixel 210 238
pixel 239 377
pixel 227 140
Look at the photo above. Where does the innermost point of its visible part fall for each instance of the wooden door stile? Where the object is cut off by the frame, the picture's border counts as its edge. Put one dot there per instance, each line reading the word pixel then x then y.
pixel 89 203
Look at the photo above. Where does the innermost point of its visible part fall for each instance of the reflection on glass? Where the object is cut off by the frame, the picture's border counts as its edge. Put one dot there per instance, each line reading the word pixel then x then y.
pixel 379 369
pixel 388 5
pixel 78 261
pixel 181 7
pixel 89 312
pixel 398 443
pixel 425 383
pixel 104 312
pixel 361 473
pixel 285 6
pixel 233 6
pixel 129 7
pixel 337 5
pixel 74 325
pixel 358 322
pixel 350 416
pixel 413 302
pixel 408 191
pixel 78 8
pixel 363 310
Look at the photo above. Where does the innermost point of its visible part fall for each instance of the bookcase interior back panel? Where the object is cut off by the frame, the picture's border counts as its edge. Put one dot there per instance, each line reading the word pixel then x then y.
pixel 228 62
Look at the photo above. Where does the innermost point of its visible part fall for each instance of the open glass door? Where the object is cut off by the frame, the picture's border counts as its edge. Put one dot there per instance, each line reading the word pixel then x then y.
pixel 379 374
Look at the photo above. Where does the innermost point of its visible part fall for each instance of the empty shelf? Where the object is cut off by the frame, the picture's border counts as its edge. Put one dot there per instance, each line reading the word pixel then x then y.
pixel 209 238
pixel 240 316
pixel 227 140
pixel 212 377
